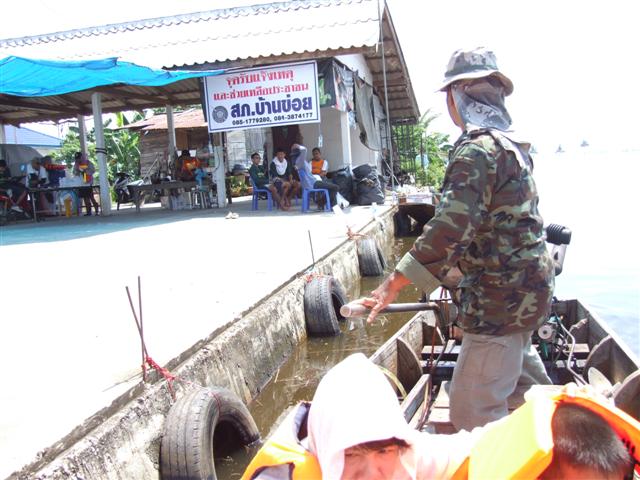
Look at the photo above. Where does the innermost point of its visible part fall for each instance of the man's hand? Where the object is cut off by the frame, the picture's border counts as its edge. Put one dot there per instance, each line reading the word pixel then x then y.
pixel 385 294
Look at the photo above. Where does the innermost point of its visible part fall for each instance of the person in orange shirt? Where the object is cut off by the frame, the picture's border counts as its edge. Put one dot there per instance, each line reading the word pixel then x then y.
pixel 188 167
pixel 319 166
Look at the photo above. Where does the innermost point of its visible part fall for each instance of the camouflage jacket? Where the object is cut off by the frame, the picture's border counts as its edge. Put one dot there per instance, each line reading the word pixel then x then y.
pixel 487 224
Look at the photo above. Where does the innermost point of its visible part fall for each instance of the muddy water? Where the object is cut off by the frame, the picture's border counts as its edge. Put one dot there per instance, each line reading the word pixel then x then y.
pixel 298 377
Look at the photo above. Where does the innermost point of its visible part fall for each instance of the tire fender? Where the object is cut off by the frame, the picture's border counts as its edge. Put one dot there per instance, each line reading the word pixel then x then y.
pixel 200 423
pixel 370 258
pixel 323 297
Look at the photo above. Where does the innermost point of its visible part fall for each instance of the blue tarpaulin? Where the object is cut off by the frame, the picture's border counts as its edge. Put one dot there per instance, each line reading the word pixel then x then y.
pixel 26 77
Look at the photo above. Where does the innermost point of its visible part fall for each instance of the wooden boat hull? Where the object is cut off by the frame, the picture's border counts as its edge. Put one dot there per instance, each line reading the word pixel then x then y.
pixel 409 360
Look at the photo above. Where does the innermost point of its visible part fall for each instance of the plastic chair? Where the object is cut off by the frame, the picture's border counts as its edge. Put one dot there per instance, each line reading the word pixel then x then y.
pixel 306 192
pixel 256 196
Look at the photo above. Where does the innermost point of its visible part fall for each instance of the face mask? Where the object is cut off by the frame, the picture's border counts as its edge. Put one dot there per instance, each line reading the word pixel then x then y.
pixel 480 103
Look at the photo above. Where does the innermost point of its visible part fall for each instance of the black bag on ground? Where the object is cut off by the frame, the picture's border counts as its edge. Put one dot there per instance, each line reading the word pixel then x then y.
pixel 343 179
pixel 368 187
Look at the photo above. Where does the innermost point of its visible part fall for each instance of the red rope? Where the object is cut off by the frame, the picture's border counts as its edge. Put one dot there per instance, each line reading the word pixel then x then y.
pixel 166 374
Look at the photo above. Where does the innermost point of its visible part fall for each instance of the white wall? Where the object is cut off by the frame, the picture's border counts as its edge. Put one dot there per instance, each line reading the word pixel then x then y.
pixel 360 154
pixel 336 148
pixel 357 63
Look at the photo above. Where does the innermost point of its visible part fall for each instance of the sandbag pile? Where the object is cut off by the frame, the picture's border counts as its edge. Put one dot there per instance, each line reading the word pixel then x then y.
pixel 368 187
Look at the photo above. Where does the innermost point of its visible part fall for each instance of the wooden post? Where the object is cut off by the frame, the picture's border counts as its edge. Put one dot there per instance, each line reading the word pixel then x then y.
pixel 220 172
pixel 386 93
pixel 82 127
pixel 3 137
pixel 171 132
pixel 101 153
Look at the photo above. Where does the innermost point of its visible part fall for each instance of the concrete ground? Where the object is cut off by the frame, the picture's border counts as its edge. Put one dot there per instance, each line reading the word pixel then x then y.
pixel 69 345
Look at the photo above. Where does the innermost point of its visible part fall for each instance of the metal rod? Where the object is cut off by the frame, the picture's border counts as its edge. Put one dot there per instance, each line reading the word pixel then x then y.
pixel 144 368
pixel 135 317
pixel 386 95
pixel 313 258
pixel 358 310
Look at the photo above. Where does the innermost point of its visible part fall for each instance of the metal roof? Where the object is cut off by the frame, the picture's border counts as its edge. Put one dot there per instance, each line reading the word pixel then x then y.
pixel 213 36
pixel 241 37
pixel 26 136
pixel 192 118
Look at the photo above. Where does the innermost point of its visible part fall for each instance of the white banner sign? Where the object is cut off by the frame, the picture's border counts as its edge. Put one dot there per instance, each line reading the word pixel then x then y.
pixel 259 97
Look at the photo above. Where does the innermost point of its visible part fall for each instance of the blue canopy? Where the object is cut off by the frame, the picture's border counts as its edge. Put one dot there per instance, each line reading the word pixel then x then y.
pixel 26 77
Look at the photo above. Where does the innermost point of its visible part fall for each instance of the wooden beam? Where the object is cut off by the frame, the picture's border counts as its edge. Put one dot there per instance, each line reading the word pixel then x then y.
pixel 119 93
pixel 14 102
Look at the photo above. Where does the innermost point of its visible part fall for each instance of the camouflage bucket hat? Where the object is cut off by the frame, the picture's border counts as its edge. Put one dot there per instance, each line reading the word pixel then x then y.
pixel 471 64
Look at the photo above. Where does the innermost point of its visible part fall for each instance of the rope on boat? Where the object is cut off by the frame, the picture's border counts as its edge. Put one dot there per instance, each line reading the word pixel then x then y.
pixel 395 381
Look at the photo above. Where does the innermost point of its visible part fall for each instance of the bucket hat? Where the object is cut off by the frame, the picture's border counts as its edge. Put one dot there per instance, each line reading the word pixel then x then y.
pixel 471 64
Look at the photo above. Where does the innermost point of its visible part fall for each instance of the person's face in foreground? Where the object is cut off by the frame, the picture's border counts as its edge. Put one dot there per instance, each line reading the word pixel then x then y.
pixel 280 156
pixel 256 159
pixel 379 464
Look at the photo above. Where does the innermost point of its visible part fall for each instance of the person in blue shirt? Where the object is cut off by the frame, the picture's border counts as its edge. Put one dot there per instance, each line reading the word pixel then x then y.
pixel 308 179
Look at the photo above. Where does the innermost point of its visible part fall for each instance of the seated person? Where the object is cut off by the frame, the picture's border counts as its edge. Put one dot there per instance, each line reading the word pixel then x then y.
pixel 319 166
pixel 200 174
pixel 365 437
pixel 261 180
pixel 37 177
pixel 282 177
pixel 369 438
pixel 573 434
pixel 188 165
pixel 585 446
pixel 11 187
pixel 311 181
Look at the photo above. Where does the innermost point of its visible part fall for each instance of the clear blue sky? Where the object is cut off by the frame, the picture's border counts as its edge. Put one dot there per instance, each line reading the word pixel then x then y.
pixel 574 64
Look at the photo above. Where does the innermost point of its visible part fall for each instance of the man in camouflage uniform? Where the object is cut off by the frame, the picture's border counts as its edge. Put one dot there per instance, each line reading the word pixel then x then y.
pixel 487 225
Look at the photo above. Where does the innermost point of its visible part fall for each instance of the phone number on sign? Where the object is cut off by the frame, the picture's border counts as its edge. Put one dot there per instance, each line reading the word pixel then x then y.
pixel 276 118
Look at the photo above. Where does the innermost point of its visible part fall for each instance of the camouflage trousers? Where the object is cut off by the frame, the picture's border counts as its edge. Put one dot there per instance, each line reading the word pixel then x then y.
pixel 490 371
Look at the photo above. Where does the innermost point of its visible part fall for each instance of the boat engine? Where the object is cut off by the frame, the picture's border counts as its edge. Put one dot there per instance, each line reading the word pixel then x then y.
pixel 559 237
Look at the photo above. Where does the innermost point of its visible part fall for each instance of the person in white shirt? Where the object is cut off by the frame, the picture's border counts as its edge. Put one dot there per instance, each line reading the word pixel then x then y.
pixel 37 177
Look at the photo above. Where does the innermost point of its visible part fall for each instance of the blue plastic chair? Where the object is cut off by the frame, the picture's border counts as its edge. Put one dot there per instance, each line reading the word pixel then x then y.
pixel 306 192
pixel 256 196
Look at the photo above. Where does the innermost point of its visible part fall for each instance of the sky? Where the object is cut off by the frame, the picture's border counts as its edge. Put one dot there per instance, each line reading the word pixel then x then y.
pixel 573 63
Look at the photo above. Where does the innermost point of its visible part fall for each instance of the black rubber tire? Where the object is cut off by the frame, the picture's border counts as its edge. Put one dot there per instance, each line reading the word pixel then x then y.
pixel 323 297
pixel 370 258
pixel 193 429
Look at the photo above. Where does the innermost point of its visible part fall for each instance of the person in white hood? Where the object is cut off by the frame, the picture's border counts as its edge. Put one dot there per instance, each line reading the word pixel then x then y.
pixel 357 430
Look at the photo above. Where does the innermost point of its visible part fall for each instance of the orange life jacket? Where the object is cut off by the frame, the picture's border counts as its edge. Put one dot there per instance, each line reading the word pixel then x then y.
pixel 316 166
pixel 527 434
pixel 284 449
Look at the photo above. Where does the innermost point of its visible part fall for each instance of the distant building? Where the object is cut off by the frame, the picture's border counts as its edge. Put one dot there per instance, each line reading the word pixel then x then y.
pixel 43 143
pixel 191 134
pixel 344 37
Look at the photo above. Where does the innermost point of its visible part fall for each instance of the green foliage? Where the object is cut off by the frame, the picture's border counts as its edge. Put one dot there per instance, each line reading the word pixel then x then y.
pixel 71 145
pixel 239 186
pixel 123 154
pixel 413 141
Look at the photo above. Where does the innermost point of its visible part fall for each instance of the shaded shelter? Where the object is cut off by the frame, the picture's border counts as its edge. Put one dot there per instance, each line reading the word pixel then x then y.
pixel 32 90
pixel 358 33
